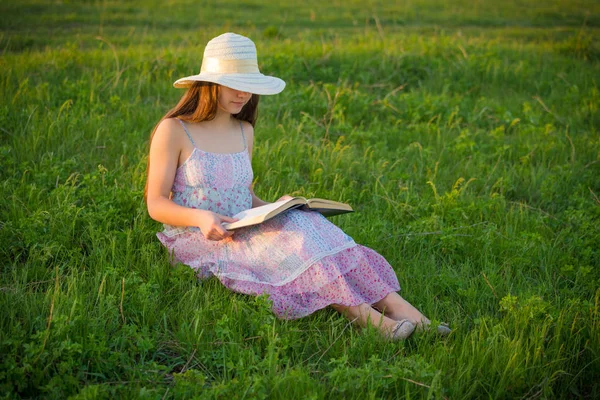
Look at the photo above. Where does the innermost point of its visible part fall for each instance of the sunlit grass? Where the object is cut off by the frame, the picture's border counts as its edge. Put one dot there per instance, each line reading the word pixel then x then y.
pixel 466 138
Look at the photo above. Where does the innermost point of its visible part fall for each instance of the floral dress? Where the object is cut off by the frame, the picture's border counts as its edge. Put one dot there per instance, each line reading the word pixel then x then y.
pixel 299 258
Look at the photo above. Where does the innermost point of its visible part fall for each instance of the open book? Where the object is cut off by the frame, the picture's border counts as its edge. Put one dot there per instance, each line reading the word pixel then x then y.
pixel 258 215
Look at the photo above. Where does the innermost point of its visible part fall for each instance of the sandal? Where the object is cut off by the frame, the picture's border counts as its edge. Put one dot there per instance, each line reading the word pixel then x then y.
pixel 442 329
pixel 403 329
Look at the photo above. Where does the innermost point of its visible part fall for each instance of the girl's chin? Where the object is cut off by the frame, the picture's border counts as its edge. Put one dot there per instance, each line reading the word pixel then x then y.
pixel 236 108
pixel 232 108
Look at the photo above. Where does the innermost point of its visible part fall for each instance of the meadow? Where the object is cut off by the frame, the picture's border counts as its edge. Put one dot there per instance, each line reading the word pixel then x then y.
pixel 464 134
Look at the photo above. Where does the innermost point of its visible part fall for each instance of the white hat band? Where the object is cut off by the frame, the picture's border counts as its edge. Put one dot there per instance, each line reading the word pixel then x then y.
pixel 220 66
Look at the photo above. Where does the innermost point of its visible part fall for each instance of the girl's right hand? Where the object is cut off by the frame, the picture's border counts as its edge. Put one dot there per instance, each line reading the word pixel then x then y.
pixel 211 226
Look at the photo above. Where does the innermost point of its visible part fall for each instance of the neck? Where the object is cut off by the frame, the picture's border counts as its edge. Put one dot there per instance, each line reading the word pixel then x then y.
pixel 222 118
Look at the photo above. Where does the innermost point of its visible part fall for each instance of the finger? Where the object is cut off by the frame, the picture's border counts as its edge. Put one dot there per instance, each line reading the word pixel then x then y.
pixel 225 218
pixel 219 237
pixel 220 231
pixel 214 235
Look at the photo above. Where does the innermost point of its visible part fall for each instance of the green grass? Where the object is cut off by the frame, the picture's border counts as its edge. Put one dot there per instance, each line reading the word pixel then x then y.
pixel 465 134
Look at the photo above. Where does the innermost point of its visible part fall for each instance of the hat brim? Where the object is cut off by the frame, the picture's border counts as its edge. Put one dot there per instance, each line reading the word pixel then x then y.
pixel 251 83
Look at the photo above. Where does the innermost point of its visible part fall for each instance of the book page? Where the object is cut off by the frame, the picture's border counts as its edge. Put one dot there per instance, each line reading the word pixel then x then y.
pixel 253 212
pixel 319 204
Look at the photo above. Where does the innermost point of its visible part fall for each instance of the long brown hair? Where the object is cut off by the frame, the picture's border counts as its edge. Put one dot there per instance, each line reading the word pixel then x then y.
pixel 200 103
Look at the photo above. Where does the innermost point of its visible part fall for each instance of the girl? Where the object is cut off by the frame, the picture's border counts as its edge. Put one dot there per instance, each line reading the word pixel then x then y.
pixel 200 174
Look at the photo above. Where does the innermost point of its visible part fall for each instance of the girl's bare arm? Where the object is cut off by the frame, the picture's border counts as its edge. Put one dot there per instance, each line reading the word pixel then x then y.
pixel 166 146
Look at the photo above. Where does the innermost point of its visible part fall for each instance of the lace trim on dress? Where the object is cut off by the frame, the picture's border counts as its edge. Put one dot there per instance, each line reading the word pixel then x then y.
pixel 314 259
pixel 297 272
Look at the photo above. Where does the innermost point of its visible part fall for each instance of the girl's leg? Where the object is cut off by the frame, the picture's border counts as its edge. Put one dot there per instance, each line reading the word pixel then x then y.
pixel 395 307
pixel 364 314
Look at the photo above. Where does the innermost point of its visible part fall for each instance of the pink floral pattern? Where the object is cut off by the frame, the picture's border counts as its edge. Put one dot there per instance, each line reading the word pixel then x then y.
pixel 299 258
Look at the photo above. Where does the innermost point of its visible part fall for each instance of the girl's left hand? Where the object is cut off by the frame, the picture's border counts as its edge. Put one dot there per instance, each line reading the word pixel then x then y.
pixel 285 197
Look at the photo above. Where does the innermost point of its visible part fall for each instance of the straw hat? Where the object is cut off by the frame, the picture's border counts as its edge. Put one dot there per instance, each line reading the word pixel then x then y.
pixel 230 60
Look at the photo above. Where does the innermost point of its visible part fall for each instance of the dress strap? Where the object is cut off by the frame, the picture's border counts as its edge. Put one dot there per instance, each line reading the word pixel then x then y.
pixel 243 136
pixel 186 132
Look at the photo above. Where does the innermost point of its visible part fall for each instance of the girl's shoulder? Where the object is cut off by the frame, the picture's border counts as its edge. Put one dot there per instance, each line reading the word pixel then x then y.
pixel 248 129
pixel 170 131
pixel 172 127
pixel 169 125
